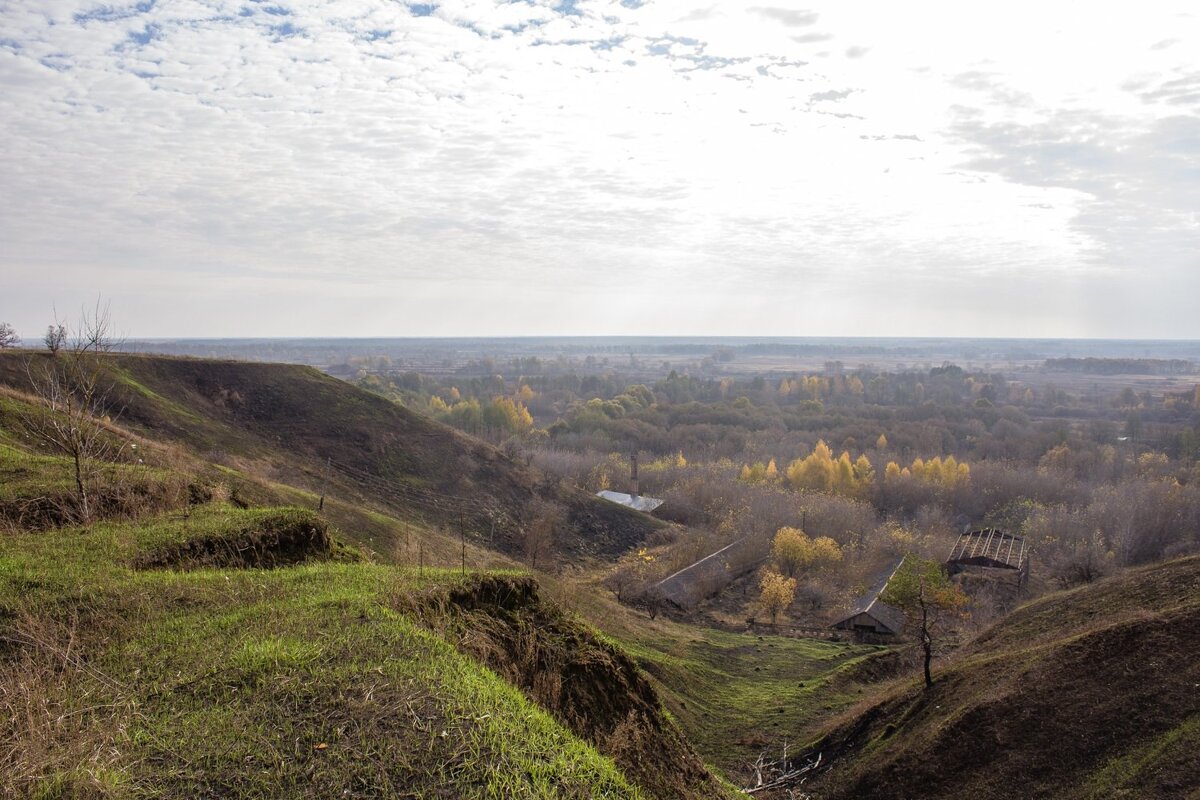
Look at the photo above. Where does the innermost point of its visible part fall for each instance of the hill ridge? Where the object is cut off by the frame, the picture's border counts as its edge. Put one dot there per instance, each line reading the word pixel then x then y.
pixel 1045 704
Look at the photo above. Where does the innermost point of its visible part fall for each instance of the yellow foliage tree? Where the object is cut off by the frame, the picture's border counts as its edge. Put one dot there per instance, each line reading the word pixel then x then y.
pixel 844 480
pixel 790 549
pixel 825 551
pixel 815 471
pixel 772 470
pixel 864 473
pixel 819 471
pixel 680 461
pixel 881 443
pixel 777 593
pixel 947 473
pixel 795 552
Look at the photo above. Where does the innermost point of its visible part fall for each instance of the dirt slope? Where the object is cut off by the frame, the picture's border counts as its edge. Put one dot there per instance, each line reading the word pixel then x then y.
pixel 1093 693
pixel 584 681
pixel 310 430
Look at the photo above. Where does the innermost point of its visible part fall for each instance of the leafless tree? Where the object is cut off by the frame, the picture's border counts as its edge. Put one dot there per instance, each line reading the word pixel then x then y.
pixel 56 337
pixel 75 403
pixel 539 533
pixel 8 336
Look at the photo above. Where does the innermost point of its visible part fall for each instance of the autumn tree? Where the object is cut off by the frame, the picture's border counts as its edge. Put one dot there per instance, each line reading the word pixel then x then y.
pixel 777 593
pixel 758 472
pixel 790 550
pixel 814 471
pixel 935 471
pixel 929 599
pixel 795 552
pixel 820 471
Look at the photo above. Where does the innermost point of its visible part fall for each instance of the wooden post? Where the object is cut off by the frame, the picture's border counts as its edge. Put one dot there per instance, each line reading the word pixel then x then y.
pixel 324 486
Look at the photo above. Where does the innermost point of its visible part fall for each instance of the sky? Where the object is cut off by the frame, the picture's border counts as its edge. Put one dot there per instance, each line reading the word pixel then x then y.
pixel 358 168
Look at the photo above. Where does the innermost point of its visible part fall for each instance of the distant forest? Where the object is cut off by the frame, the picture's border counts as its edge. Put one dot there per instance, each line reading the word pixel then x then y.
pixel 1122 366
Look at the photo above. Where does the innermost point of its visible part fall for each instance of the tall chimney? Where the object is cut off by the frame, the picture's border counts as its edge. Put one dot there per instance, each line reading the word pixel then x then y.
pixel 633 481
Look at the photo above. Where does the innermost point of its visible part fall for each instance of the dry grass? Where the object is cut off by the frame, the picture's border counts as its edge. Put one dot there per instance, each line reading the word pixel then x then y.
pixel 1083 694
pixel 61 719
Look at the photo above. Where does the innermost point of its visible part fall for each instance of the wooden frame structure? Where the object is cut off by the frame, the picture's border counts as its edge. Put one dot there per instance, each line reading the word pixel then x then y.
pixel 989 548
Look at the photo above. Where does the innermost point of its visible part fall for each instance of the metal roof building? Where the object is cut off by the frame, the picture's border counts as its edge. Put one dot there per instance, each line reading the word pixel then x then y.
pixel 635 501
pixel 873 616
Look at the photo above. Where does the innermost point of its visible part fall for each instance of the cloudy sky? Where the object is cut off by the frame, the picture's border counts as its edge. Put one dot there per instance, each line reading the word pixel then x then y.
pixel 356 167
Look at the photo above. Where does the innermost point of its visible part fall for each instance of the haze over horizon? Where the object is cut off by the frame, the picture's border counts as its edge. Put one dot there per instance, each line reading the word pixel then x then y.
pixel 301 168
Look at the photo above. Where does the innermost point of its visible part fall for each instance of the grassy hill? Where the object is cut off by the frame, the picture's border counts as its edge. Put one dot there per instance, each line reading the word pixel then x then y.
pixel 199 638
pixel 162 658
pixel 297 426
pixel 200 635
pixel 1092 693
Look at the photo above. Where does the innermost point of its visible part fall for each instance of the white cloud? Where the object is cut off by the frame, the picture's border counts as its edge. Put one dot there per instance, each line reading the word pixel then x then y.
pixel 737 169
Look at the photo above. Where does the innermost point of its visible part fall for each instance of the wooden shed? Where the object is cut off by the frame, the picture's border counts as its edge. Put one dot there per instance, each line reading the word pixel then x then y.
pixel 872 616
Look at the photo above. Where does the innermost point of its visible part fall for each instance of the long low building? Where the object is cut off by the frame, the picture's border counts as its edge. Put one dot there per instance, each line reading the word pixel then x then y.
pixel 870 615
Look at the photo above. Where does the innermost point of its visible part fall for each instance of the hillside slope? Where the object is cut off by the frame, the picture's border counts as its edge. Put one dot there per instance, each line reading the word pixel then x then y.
pixel 243 653
pixel 1092 693
pixel 309 430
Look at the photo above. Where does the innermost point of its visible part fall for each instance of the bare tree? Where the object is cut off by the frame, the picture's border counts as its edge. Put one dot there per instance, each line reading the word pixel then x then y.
pixel 8 336
pixel 539 534
pixel 56 337
pixel 75 403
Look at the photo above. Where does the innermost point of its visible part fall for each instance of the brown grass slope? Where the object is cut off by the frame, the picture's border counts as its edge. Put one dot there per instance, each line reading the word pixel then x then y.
pixel 289 421
pixel 1092 693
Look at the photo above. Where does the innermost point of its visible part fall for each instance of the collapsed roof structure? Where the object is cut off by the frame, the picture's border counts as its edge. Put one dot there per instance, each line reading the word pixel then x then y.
pixel 988 548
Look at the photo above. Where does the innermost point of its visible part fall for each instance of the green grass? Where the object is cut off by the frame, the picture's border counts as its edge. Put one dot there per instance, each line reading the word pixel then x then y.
pixel 1129 775
pixel 734 695
pixel 737 695
pixel 23 475
pixel 297 682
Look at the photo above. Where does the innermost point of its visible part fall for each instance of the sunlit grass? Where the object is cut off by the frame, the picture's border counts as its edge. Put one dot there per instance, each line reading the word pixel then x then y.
pixel 293 682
